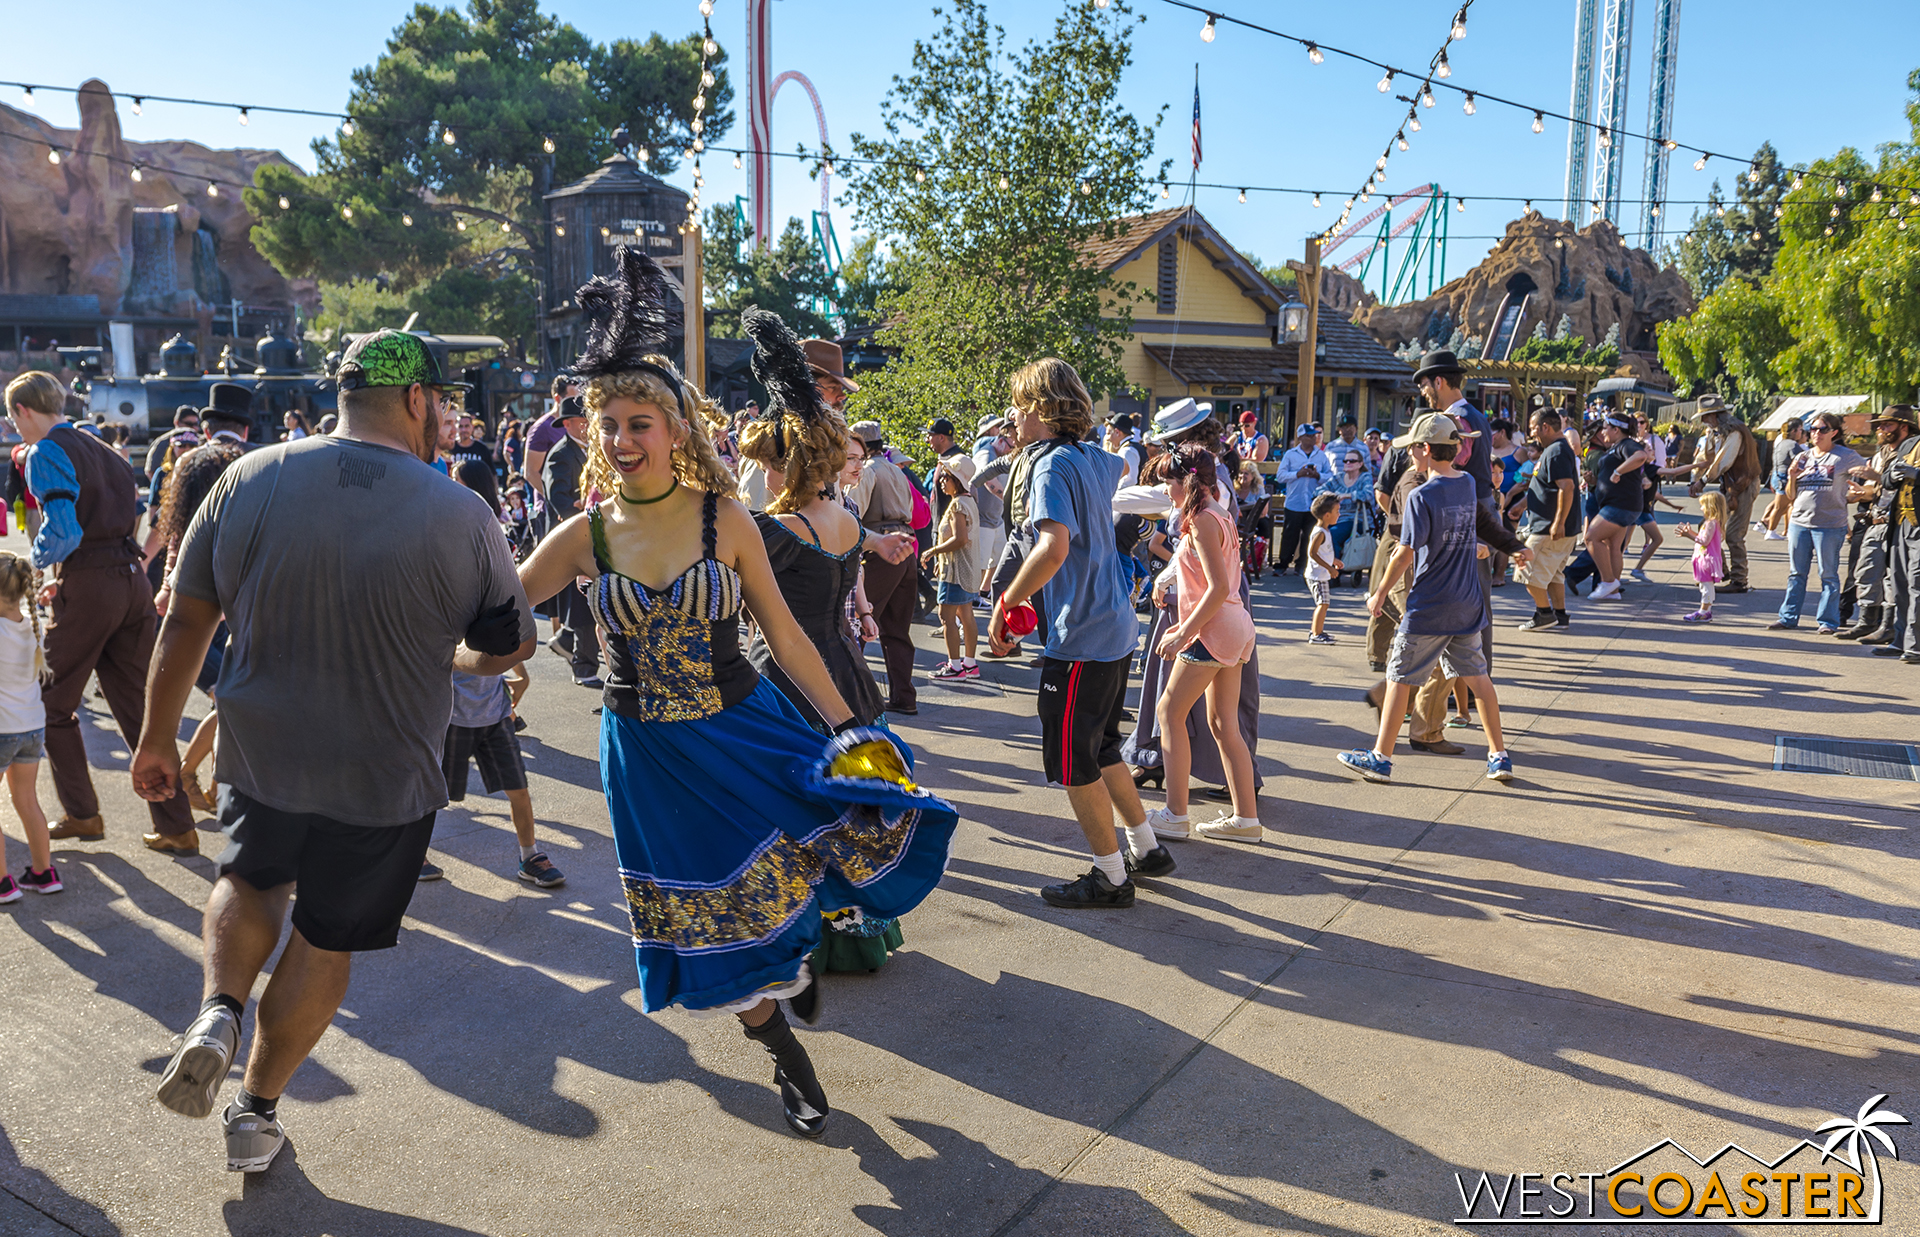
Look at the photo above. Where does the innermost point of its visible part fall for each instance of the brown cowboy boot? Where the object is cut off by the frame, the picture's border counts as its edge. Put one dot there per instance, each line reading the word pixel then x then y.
pixel 79 829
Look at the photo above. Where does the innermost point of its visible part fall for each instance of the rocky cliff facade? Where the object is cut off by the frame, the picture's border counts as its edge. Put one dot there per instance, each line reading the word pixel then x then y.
pixel 162 245
pixel 1588 275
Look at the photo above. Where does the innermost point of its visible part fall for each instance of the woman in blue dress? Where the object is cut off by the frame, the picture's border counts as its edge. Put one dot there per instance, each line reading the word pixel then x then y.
pixel 733 827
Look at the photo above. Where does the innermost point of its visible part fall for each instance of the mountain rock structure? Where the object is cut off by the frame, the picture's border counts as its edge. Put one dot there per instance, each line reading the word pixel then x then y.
pixel 1588 275
pixel 162 246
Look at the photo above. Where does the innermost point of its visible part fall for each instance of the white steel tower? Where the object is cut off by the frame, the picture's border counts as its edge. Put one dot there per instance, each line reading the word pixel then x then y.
pixel 1579 137
pixel 1666 58
pixel 1616 42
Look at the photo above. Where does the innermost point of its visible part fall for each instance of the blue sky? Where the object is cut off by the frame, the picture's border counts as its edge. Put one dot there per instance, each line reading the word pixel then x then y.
pixel 1809 80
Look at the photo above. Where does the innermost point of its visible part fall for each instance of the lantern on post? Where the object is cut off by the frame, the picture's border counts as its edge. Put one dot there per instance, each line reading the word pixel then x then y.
pixel 1293 322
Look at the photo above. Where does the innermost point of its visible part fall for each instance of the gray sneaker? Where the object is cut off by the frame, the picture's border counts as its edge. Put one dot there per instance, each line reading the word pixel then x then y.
pixel 252 1140
pixel 200 1062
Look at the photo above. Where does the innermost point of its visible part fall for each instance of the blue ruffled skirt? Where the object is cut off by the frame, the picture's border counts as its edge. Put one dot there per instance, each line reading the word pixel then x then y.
pixel 730 848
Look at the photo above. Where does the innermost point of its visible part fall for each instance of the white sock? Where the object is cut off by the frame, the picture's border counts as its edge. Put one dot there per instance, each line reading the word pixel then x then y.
pixel 1141 837
pixel 968 661
pixel 528 852
pixel 1113 866
pixel 1246 822
pixel 953 663
pixel 1496 755
pixel 1380 755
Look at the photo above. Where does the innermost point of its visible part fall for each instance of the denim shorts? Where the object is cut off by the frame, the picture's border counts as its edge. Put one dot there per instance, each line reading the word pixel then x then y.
pixel 1199 654
pixel 1619 515
pixel 947 593
pixel 23 749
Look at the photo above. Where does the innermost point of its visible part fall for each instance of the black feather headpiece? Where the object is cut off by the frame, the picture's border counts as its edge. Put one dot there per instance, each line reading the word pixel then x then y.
pixel 629 316
pixel 781 367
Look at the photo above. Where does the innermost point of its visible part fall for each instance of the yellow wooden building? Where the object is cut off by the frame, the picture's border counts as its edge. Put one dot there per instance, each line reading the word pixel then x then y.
pixel 1210 331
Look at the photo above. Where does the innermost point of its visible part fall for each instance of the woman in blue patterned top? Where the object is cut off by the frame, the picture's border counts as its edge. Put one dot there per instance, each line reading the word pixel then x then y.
pixel 734 830
pixel 1354 488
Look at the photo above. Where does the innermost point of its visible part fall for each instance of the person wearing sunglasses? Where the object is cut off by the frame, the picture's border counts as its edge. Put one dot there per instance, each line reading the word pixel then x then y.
pixel 1816 496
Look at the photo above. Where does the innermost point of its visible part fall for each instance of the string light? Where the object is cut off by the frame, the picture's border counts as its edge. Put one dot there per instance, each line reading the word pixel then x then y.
pixel 1606 138
pixel 1316 199
pixel 1086 188
pixel 920 176
pixel 1528 206
pixel 736 158
pixel 546 144
pixel 137 101
pixel 1206 31
pixel 1426 96
pixel 26 95
pixel 1654 211
pixel 1401 139
pixel 1459 205
pixel 1459 30
pixel 1875 197
pixel 213 189
pixel 1913 199
pixel 1315 54
pixel 709 47
pixel 137 174
pixel 706 8
pixel 446 135
pixel 1413 122
pixel 406 221
pixel 346 212
pixel 1469 108
pixel 1164 191
pixel 243 115
pixel 1243 195
pixel 1100 4
pixel 559 229
pixel 460 225
pixel 53 155
pixel 706 77
pixel 1003 184
pixel 1443 70
pixel 1797 182
pixel 1539 122
pixel 346 126
pixel 284 204
pixel 1386 82
pixel 1700 164
pixel 1753 174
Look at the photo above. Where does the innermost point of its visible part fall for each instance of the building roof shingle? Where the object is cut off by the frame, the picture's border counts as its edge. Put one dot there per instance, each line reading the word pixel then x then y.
pixel 1351 353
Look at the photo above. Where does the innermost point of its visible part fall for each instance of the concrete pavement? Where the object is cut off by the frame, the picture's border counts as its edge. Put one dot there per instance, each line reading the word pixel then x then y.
pixel 1648 933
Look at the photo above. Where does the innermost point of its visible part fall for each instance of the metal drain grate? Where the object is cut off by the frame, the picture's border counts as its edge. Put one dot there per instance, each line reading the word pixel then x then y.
pixel 1894 761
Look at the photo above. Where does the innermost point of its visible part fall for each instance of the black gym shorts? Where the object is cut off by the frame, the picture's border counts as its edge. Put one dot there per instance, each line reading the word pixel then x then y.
pixel 495 748
pixel 1081 707
pixel 352 882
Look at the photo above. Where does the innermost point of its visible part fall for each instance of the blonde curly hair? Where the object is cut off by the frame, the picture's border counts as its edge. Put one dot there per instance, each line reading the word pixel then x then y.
pixel 816 452
pixel 696 463
pixel 17 580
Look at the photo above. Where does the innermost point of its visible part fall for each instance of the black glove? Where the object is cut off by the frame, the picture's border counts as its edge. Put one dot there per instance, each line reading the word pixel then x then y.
pixel 497 631
pixel 1901 472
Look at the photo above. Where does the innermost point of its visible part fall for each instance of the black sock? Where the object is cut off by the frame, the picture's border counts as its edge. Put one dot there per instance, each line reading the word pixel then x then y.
pixel 1559 614
pixel 1541 612
pixel 247 1101
pixel 220 998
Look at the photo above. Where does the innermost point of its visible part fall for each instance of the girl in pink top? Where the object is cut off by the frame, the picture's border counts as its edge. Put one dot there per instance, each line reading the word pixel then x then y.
pixel 1208 645
pixel 1707 553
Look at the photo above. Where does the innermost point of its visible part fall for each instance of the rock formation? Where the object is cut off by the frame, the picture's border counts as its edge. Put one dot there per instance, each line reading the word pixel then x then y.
pixel 1339 291
pixel 1588 275
pixel 160 245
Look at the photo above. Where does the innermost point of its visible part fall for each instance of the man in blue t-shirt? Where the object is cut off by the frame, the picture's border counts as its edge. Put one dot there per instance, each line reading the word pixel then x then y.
pixel 1091 630
pixel 1446 606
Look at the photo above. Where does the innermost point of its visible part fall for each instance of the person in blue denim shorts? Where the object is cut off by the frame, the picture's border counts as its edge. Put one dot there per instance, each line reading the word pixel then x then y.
pixel 23 725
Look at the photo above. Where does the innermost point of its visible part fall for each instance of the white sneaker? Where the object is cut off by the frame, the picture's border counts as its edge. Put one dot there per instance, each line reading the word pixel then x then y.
pixel 1166 828
pixel 1225 829
pixel 1772 536
pixel 201 1058
pixel 252 1140
pixel 1606 592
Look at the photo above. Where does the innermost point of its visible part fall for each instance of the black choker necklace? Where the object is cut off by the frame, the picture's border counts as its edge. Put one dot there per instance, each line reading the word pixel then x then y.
pixel 644 502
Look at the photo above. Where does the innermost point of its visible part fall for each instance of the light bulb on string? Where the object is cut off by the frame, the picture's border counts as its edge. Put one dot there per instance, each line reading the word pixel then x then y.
pixel 1913 198
pixel 460 225
pixel 1527 206
pixel 138 173
pixel 920 176
pixel 1834 213
pixel 559 229
pixel 1670 145
pixel 346 126
pixel 1386 82
pixel 1101 4
pixel 1654 211
pixel 1316 199
pixel 26 95
pixel 1243 195
pixel 1539 122
pixel 446 135
pixel 1164 191
pixel 827 167
pixel 1426 96
pixel 1413 123
pixel 1315 54
pixel 1469 107
pixel 1700 164
pixel 706 77
pixel 1380 164
pixel 709 47
pixel 1875 195
pixel 406 221
pixel 706 8
pixel 1829 229
pixel 1459 30
pixel 1003 182
pixel 736 158
pixel 1778 211
pixel 1606 138
pixel 1367 193
pixel 1400 139
pixel 1207 31
pixel 243 115
pixel 1753 175
pixel 1443 70
pixel 1797 180
pixel 284 204
pixel 699 144
pixel 605 231
pixel 1086 187
pixel 1844 188
pixel 346 212
pixel 1459 205
pixel 137 101
pixel 213 189
pixel 53 155
pixel 546 144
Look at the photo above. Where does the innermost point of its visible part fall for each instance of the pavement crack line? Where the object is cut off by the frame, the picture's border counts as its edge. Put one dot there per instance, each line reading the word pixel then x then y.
pixel 17 1197
pixel 1126 1114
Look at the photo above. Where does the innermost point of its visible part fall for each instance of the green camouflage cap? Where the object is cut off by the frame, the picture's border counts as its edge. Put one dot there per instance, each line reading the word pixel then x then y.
pixel 389 358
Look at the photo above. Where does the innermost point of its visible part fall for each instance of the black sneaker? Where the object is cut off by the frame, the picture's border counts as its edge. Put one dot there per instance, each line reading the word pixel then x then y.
pixel 428 872
pixel 1092 891
pixel 1541 620
pixel 1560 619
pixel 41 882
pixel 1156 862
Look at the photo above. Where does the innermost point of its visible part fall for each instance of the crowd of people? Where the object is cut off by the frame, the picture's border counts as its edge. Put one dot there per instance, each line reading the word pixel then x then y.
pixel 717 582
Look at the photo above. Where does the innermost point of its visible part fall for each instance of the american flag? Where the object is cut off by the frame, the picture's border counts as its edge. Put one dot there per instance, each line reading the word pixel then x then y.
pixel 1196 126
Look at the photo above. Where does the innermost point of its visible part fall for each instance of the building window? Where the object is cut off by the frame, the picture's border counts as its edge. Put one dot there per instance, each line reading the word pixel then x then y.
pixel 1165 301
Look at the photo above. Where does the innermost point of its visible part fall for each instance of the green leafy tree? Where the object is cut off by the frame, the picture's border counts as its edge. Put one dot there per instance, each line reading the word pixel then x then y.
pixel 866 277
pixel 993 175
pixel 787 277
pixel 1839 311
pixel 457 132
pixel 1738 241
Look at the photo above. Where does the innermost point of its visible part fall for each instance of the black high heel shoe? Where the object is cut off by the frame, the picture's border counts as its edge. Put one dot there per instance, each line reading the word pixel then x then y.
pixel 802 1101
pixel 1156 775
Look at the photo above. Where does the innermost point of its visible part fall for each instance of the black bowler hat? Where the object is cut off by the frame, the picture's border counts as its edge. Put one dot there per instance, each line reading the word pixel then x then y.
pixel 229 402
pixel 1440 363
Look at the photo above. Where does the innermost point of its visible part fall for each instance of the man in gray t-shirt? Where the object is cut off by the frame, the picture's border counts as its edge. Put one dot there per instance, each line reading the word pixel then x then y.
pixel 354 578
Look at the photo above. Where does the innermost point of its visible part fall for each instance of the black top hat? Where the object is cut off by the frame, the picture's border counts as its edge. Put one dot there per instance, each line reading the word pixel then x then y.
pixel 229 402
pixel 1438 364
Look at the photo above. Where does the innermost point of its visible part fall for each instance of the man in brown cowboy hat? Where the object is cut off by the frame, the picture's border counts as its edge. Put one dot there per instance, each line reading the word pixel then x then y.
pixel 1728 453
pixel 1899 429
pixel 829 372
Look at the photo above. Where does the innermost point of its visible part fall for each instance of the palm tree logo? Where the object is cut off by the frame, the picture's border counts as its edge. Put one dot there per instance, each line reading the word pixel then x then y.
pixel 1860 1132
